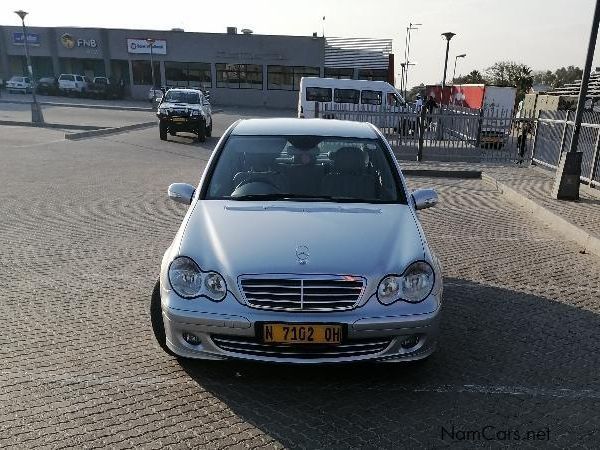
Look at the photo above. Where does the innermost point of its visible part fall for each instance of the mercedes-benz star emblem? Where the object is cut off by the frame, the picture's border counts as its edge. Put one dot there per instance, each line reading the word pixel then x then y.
pixel 302 253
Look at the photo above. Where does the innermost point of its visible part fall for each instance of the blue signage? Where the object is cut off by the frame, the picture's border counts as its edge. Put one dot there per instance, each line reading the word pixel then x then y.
pixel 32 38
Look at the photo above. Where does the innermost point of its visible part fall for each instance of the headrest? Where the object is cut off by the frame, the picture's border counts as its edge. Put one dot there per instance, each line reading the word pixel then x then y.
pixel 348 159
pixel 259 161
pixel 304 158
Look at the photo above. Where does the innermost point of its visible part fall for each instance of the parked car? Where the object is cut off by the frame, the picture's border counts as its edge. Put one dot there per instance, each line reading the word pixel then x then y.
pixel 184 110
pixel 47 86
pixel 19 84
pixel 70 83
pixel 104 87
pixel 300 245
pixel 156 94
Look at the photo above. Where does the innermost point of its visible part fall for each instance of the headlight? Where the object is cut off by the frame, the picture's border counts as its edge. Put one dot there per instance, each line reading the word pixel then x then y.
pixel 215 285
pixel 189 281
pixel 413 286
pixel 185 277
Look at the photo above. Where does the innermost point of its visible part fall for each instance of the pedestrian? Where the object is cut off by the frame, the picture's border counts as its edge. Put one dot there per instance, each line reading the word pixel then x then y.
pixel 418 104
pixel 430 106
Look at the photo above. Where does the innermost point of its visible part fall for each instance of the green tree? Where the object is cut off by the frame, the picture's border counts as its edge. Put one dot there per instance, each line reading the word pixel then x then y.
pixel 544 77
pixel 559 78
pixel 510 73
pixel 567 75
pixel 474 77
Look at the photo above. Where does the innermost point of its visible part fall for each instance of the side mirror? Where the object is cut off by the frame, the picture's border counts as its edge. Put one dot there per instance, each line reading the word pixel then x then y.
pixel 181 193
pixel 424 198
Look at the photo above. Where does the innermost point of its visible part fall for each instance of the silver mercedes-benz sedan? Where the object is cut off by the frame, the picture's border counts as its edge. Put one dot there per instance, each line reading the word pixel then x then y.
pixel 301 244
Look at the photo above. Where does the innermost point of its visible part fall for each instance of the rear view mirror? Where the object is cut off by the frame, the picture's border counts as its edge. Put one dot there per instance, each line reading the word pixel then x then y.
pixel 424 198
pixel 181 193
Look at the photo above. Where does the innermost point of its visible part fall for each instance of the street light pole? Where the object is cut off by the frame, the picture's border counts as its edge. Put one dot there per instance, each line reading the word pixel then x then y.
pixel 403 67
pixel 456 59
pixel 411 26
pixel 151 42
pixel 449 35
pixel 36 111
pixel 566 183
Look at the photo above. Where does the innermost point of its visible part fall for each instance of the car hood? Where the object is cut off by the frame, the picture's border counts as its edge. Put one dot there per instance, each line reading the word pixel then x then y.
pixel 237 238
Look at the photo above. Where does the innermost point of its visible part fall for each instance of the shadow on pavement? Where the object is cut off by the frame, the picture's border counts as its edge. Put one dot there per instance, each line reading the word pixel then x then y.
pixel 506 359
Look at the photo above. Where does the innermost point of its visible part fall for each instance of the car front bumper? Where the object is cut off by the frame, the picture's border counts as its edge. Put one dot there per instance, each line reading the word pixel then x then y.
pixel 368 334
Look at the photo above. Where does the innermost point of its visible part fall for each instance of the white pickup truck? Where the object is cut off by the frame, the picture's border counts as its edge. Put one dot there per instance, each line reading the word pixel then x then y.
pixel 73 83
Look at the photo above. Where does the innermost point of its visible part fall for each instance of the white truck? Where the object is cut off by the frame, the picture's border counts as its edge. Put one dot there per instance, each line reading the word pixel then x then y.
pixel 351 99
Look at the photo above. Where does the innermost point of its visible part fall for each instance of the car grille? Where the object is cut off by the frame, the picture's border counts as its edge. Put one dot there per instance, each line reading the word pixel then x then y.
pixel 303 294
pixel 253 347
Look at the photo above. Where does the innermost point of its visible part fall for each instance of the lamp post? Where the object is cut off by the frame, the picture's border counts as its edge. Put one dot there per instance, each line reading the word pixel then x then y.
pixel 150 43
pixel 456 59
pixel 566 183
pixel 36 111
pixel 411 27
pixel 403 86
pixel 449 35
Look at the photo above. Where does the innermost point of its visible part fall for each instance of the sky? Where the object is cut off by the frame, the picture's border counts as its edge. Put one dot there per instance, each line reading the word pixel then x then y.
pixel 544 34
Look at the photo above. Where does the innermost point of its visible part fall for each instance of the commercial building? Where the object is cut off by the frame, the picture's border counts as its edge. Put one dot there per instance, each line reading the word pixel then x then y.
pixel 237 68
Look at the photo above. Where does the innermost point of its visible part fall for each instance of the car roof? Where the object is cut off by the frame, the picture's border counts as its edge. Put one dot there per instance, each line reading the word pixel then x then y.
pixel 311 127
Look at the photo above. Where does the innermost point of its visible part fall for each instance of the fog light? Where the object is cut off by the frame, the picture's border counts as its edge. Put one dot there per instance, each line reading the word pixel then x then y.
pixel 410 341
pixel 191 339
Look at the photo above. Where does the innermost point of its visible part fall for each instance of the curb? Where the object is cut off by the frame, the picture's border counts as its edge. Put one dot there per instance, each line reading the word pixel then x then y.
pixel 81 105
pixel 63 126
pixel 440 173
pixel 107 131
pixel 570 231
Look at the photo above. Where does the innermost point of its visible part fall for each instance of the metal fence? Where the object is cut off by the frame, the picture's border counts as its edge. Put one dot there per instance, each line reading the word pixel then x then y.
pixel 446 133
pixel 554 131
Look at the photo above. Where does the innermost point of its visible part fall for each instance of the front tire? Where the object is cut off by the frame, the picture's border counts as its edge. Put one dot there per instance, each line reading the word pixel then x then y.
pixel 158 326
pixel 209 130
pixel 162 127
pixel 202 132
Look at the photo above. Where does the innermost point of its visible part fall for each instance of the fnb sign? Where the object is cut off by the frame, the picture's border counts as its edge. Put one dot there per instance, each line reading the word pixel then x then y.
pixel 89 43
pixel 68 41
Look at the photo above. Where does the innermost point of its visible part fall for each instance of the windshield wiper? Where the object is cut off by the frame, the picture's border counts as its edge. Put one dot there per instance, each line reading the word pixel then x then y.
pixel 300 197
pixel 281 196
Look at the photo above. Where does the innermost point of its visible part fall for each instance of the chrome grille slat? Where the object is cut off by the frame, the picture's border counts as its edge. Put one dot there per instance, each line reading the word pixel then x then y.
pixel 253 347
pixel 312 293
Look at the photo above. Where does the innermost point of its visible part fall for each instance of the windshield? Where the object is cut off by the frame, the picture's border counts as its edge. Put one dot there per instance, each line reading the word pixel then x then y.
pixel 311 168
pixel 182 97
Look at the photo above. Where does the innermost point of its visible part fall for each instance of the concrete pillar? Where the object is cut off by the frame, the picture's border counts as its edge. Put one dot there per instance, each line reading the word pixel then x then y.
pixel 162 74
pixel 4 65
pixel 105 47
pixel 54 52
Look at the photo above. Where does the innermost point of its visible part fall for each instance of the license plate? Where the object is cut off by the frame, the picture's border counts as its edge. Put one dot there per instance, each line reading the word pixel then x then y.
pixel 282 333
pixel 178 119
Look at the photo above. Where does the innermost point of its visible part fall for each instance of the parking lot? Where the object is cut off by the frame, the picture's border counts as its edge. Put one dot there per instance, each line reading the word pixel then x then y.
pixel 83 228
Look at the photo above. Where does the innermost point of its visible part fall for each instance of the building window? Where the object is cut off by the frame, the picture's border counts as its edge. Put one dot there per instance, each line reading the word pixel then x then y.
pixel 239 76
pixel 370 97
pixel 339 73
pixel 287 78
pixel 183 74
pixel 316 94
pixel 142 72
pixel 373 74
pixel 346 95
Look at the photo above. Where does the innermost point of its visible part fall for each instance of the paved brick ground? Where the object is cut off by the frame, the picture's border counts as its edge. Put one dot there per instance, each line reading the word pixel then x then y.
pixel 82 231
